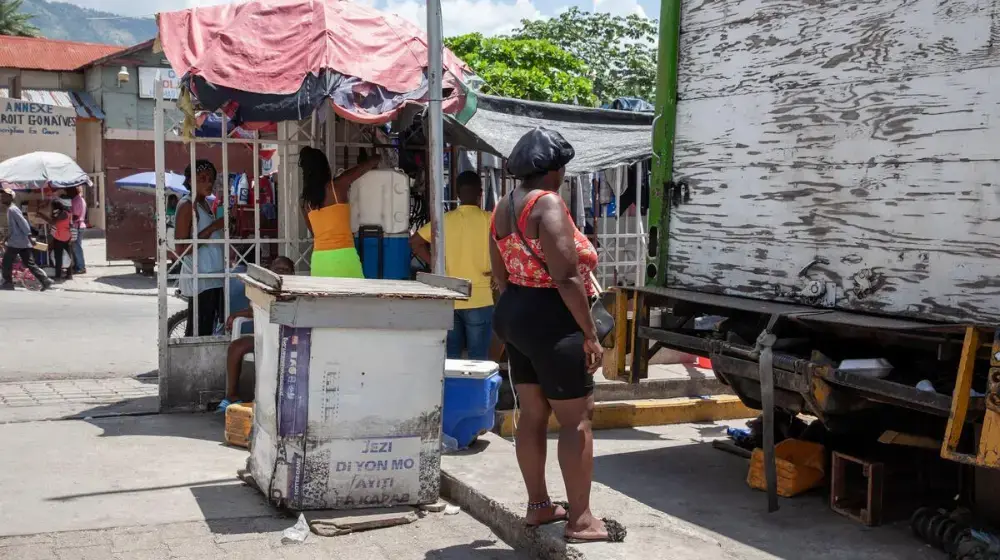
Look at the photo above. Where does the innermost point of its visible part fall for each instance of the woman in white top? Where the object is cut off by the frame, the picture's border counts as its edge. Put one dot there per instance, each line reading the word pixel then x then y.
pixel 209 291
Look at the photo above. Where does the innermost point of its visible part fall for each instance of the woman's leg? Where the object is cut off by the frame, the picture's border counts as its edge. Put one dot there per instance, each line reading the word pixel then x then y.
pixel 209 305
pixel 189 326
pixel 531 444
pixel 570 390
pixel 576 459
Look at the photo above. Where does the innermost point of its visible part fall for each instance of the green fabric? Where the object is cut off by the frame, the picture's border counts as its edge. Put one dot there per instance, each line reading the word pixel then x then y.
pixel 337 263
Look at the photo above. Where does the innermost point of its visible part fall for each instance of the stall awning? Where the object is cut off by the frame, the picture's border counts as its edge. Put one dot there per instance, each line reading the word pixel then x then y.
pixel 80 101
pixel 602 138
pixel 280 59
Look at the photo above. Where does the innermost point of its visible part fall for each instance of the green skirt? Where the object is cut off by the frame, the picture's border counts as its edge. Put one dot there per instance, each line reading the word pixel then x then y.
pixel 337 263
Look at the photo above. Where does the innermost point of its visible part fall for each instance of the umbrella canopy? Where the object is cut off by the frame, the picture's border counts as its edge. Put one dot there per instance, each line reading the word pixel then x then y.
pixel 279 59
pixel 146 183
pixel 38 169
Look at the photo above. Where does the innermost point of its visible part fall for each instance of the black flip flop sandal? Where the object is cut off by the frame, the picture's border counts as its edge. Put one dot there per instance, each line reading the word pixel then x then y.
pixel 616 534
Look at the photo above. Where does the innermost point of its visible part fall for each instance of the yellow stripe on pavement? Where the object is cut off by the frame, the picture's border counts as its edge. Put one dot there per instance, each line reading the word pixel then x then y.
pixel 650 412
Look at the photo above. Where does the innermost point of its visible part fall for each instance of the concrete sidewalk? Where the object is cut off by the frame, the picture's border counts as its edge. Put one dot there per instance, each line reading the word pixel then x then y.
pixel 77 398
pixel 674 493
pixel 164 487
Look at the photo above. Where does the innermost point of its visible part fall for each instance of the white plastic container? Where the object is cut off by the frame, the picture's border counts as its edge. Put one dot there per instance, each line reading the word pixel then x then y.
pixel 381 198
pixel 348 400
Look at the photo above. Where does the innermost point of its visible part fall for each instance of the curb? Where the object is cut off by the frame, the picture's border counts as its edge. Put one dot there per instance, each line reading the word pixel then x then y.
pixel 105 292
pixel 507 524
pixel 650 412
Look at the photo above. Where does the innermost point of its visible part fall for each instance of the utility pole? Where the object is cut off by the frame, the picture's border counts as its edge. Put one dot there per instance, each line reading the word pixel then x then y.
pixel 435 133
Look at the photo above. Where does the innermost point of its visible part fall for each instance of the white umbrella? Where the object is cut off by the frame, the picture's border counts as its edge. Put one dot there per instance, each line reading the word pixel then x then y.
pixel 35 170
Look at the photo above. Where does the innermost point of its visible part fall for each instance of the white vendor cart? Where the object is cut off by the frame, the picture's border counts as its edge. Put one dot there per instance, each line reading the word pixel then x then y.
pixel 349 388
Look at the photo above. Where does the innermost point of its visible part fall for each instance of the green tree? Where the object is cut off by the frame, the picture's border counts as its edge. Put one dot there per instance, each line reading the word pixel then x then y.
pixel 14 22
pixel 621 51
pixel 530 69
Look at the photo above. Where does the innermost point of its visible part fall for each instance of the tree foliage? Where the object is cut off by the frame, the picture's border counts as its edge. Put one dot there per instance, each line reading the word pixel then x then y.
pixel 620 51
pixel 531 69
pixel 14 22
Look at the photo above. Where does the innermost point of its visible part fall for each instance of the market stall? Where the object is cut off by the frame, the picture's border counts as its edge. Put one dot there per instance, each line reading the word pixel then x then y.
pixel 312 92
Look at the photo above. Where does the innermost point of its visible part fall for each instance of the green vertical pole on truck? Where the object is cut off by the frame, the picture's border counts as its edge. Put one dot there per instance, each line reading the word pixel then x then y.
pixel 664 129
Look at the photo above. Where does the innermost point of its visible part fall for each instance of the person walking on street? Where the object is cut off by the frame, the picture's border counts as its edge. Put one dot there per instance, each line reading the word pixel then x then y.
pixel 467 255
pixel 19 244
pixel 78 210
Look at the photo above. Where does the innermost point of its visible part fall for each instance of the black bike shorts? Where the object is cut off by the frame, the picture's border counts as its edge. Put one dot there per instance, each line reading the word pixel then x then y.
pixel 544 343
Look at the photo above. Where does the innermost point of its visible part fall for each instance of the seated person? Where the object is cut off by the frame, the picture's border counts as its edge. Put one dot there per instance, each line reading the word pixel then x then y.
pixel 243 345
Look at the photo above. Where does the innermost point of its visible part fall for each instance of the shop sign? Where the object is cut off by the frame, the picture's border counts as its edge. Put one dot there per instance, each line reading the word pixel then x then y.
pixel 147 82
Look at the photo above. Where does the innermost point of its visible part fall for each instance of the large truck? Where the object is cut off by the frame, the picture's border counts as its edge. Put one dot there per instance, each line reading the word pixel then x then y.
pixel 825 214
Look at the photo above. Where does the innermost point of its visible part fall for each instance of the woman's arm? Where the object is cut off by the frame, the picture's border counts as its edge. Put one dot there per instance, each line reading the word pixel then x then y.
pixel 182 227
pixel 305 216
pixel 342 183
pixel 556 232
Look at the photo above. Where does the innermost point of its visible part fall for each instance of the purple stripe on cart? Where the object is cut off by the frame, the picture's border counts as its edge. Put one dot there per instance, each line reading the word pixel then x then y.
pixel 293 403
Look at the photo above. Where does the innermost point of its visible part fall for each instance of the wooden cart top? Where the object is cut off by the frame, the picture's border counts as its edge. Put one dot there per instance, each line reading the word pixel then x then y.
pixel 426 287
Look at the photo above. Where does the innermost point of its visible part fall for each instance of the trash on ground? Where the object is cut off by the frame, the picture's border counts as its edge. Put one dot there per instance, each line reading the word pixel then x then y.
pixel 436 507
pixel 296 534
pixel 452 510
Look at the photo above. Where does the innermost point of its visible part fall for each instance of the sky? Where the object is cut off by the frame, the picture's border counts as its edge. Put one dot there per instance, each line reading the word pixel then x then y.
pixel 489 17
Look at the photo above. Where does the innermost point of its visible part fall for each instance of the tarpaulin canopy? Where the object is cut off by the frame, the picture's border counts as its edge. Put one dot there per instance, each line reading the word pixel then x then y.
pixel 279 59
pixel 602 138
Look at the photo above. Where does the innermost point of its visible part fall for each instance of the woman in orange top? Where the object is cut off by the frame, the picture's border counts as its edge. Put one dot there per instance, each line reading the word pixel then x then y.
pixel 328 214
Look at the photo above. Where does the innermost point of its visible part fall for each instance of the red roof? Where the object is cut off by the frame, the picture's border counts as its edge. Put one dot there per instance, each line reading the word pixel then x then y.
pixel 28 53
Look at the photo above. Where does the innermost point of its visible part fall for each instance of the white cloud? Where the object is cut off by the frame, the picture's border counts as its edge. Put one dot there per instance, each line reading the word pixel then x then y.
pixel 489 17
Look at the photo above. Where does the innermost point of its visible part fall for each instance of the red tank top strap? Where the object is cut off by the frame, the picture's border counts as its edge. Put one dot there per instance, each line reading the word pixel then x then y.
pixel 522 221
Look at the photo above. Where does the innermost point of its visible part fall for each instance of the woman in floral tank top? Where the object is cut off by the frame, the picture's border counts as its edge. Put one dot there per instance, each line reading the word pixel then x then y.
pixel 542 265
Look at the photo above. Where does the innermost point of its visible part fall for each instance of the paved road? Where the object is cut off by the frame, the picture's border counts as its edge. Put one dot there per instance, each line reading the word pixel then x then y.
pixel 76 335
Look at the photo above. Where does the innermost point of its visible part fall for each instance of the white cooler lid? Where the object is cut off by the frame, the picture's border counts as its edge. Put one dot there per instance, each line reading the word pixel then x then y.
pixel 470 368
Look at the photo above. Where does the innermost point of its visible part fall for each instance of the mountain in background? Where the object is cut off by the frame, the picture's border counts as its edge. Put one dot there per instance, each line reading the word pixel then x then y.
pixel 58 20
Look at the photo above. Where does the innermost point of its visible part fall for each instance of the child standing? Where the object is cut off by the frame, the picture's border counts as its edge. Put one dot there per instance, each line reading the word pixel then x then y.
pixel 62 239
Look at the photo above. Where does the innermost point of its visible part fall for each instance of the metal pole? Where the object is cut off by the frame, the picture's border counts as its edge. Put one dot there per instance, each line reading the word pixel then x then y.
pixel 193 247
pixel 664 131
pixel 226 190
pixel 435 133
pixel 159 165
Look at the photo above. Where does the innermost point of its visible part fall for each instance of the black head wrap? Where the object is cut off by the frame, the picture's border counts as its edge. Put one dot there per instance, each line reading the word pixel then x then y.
pixel 539 152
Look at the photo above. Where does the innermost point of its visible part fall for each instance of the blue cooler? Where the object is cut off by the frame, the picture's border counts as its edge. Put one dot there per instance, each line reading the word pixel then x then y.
pixel 471 389
pixel 383 256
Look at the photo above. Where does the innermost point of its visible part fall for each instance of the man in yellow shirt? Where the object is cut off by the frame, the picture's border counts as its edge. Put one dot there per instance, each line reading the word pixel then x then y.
pixel 467 255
